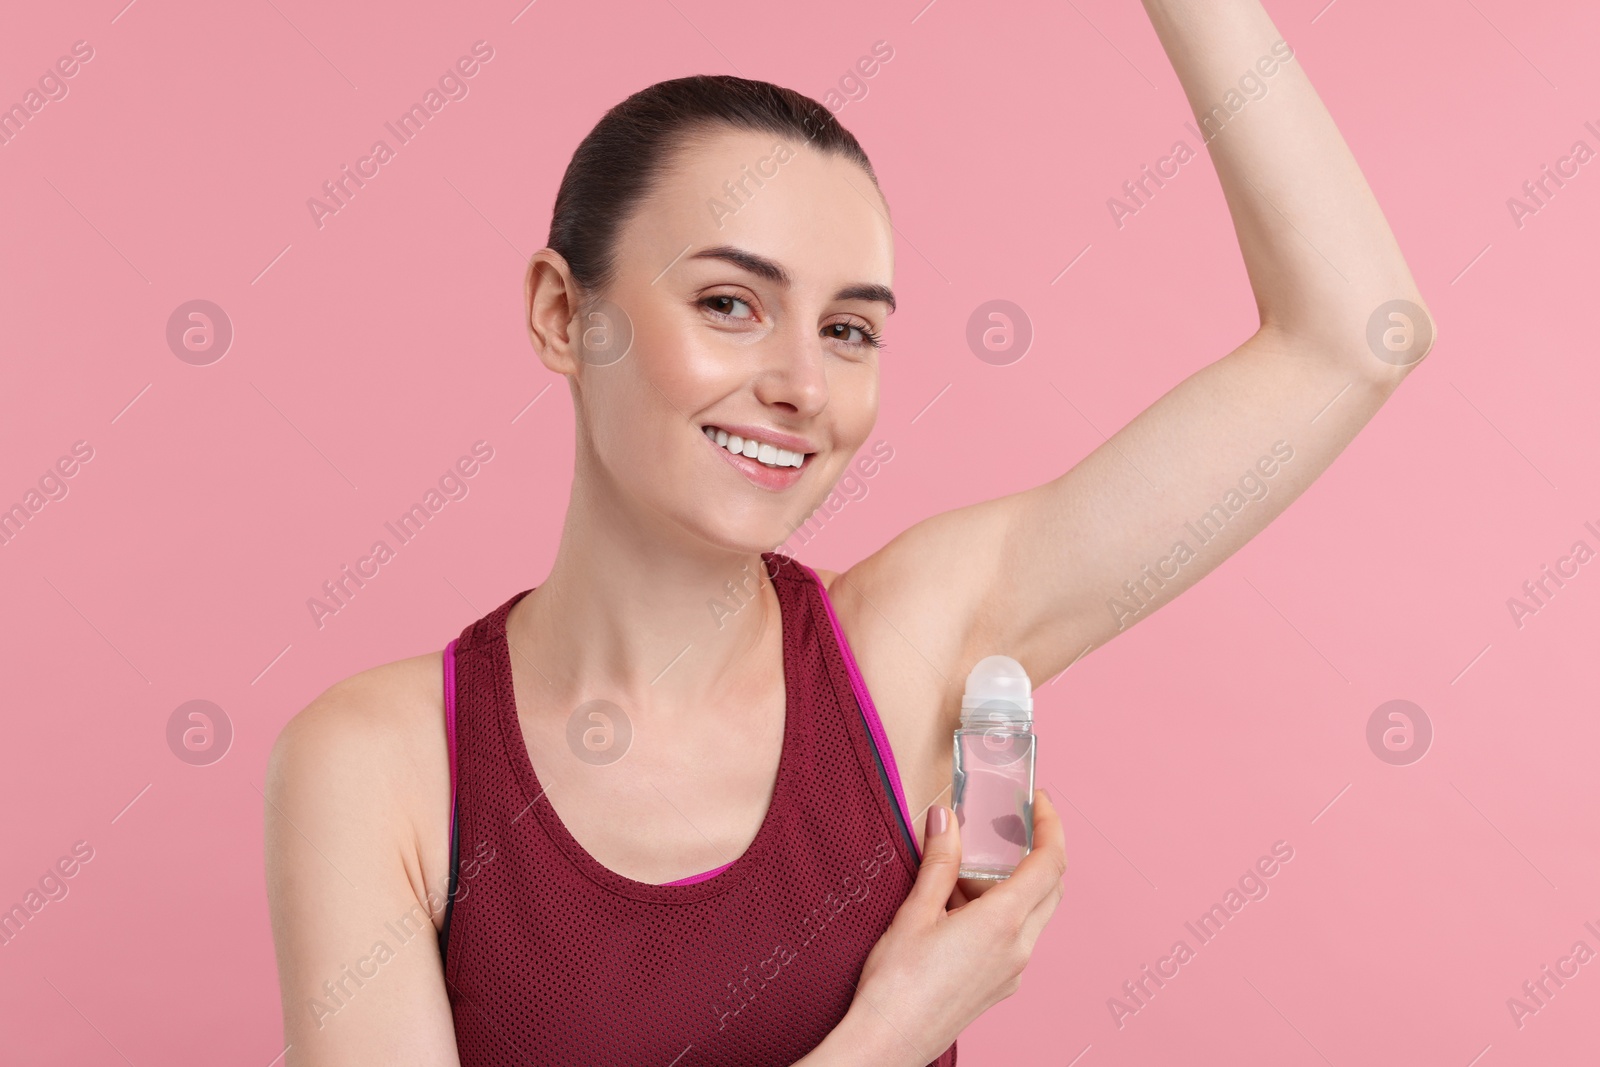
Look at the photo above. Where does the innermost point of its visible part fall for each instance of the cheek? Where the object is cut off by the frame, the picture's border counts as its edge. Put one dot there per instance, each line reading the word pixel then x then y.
pixel 629 415
pixel 640 409
pixel 688 369
pixel 853 393
pixel 679 362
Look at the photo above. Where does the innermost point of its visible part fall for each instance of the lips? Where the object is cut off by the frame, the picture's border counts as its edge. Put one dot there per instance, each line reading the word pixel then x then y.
pixel 772 479
pixel 760 448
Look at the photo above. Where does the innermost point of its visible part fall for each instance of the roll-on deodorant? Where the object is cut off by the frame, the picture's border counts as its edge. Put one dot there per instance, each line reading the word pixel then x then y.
pixel 992 791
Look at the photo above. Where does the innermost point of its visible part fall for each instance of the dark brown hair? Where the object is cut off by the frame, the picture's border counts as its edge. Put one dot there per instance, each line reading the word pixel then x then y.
pixel 615 167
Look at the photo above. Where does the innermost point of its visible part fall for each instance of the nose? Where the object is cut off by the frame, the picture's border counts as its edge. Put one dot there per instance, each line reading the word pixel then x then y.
pixel 793 374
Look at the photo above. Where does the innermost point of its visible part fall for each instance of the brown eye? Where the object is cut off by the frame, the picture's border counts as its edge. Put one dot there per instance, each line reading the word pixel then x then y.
pixel 723 304
pixel 842 331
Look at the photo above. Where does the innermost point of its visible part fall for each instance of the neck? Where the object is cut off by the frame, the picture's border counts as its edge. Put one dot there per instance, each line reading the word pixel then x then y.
pixel 645 617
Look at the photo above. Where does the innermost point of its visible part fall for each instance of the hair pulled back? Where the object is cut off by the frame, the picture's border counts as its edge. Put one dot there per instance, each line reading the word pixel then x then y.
pixel 617 165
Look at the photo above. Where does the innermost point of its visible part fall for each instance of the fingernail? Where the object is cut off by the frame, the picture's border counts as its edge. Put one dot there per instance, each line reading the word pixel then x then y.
pixel 938 819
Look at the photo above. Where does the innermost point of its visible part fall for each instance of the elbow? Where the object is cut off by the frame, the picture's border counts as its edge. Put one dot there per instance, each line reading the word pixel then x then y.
pixel 1399 334
pixel 1380 338
pixel 1380 342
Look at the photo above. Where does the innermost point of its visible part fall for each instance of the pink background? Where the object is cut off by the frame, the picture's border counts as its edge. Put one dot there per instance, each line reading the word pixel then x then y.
pixel 371 353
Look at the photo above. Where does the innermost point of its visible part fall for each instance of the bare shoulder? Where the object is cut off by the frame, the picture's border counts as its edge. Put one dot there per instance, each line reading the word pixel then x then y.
pixel 376 725
pixel 827 577
pixel 363 771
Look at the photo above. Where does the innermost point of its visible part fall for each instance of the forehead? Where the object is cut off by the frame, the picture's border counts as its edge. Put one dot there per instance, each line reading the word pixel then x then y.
pixel 818 214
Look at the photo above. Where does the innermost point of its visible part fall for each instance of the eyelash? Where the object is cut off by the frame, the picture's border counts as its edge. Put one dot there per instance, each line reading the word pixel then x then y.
pixel 873 339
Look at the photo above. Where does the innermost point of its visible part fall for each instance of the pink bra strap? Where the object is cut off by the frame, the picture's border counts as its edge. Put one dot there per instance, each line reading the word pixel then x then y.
pixel 450 724
pixel 693 878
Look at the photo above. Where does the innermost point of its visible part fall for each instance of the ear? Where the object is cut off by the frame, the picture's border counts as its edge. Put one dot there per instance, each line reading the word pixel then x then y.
pixel 550 298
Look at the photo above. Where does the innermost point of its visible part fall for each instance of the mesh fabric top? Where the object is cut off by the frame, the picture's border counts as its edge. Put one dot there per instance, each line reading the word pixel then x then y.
pixel 555 959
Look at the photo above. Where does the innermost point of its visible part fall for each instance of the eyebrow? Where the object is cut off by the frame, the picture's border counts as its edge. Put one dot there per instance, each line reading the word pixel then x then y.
pixel 772 271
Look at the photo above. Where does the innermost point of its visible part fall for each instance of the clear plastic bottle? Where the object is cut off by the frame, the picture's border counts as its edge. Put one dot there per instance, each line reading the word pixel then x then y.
pixel 992 791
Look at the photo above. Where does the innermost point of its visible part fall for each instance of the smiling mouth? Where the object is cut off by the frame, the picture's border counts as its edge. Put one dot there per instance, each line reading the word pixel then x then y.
pixel 767 455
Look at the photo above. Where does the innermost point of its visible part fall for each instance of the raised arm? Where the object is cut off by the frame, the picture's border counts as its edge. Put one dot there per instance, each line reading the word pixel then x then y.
pixel 1046 574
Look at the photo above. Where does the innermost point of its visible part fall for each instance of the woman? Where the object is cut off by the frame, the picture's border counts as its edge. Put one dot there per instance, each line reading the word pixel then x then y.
pixel 607 825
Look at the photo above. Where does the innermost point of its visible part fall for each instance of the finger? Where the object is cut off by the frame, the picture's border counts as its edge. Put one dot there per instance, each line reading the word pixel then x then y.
pixel 1046 862
pixel 1034 923
pixel 941 859
pixel 1041 870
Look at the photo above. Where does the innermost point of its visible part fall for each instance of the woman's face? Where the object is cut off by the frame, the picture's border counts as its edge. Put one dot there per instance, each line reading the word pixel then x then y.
pixel 754 282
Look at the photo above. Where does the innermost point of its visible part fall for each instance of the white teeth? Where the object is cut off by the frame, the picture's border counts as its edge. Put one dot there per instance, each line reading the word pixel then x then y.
pixel 770 455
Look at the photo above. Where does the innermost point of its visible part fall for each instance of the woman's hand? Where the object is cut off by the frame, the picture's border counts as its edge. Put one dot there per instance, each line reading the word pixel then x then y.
pixel 937 968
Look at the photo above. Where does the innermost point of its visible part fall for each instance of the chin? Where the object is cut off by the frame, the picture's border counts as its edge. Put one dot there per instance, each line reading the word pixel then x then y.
pixel 757 537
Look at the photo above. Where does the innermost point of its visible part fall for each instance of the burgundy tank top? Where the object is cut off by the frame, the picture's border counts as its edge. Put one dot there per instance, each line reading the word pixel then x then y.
pixel 553 958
